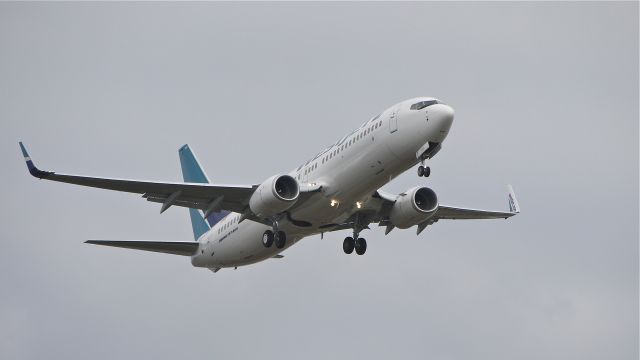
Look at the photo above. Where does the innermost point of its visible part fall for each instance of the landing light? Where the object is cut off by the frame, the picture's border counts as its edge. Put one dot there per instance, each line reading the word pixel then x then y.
pixel 334 203
pixel 359 205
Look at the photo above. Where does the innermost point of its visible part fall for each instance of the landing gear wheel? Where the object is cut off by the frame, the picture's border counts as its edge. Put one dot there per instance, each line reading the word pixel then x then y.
pixel 348 245
pixel 424 171
pixel 361 246
pixel 267 238
pixel 280 239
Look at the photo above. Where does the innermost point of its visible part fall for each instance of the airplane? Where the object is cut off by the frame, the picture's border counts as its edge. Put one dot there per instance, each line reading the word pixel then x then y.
pixel 337 189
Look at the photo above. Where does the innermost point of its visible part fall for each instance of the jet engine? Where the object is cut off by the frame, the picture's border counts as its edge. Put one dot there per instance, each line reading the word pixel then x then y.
pixel 275 195
pixel 413 207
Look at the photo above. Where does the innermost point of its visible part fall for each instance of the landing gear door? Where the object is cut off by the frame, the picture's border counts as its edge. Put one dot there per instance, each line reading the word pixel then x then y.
pixel 393 121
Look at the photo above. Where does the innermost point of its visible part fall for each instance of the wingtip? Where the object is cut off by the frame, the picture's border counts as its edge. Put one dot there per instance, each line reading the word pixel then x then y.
pixel 514 207
pixel 33 170
pixel 23 149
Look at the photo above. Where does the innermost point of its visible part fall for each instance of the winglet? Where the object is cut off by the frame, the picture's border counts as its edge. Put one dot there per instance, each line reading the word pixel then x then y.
pixel 513 202
pixel 32 168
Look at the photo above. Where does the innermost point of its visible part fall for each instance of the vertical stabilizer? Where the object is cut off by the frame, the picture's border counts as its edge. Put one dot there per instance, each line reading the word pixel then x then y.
pixel 198 224
pixel 192 172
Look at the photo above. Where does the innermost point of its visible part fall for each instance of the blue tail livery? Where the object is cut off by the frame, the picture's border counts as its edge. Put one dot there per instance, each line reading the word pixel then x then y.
pixel 192 172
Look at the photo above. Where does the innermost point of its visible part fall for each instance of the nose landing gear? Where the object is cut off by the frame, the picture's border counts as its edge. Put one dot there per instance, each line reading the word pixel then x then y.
pixel 424 171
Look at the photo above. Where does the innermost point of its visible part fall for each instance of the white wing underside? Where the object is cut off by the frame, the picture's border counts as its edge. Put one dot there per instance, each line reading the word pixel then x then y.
pixel 377 211
pixel 236 198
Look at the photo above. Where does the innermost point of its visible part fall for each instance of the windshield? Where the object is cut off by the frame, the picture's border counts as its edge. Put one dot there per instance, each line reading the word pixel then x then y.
pixel 424 104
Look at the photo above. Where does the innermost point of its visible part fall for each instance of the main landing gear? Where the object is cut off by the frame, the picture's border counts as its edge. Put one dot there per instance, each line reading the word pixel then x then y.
pixel 350 244
pixel 278 237
pixel 355 243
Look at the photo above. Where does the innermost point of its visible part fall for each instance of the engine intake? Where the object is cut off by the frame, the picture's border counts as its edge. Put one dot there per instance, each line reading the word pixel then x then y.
pixel 413 207
pixel 275 195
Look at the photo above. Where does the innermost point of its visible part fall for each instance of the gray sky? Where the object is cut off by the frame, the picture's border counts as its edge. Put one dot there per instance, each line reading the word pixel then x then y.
pixel 546 98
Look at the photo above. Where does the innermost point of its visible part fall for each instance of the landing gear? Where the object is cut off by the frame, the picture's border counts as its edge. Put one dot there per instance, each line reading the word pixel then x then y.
pixel 361 246
pixel 267 238
pixel 424 171
pixel 274 236
pixel 348 245
pixel 355 243
pixel 280 239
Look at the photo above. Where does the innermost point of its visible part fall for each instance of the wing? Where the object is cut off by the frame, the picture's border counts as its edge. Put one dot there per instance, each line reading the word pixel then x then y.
pixel 455 213
pixel 378 208
pixel 192 195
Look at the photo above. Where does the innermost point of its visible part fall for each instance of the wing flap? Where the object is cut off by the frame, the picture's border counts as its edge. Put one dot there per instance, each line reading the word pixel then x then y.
pixel 185 248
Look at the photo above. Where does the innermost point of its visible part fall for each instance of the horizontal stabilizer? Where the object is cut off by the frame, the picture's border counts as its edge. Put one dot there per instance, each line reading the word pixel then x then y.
pixel 186 248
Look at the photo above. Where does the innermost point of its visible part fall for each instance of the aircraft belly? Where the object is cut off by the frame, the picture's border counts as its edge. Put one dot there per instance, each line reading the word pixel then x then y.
pixel 360 175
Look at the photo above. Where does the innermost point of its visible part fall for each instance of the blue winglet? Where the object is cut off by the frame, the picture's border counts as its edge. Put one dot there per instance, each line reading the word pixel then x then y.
pixel 32 168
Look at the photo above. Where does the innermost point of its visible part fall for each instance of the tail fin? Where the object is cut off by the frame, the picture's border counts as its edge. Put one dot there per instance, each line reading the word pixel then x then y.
pixel 192 172
pixel 191 169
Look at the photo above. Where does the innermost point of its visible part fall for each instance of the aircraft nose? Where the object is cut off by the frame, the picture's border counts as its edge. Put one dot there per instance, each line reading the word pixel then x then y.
pixel 440 119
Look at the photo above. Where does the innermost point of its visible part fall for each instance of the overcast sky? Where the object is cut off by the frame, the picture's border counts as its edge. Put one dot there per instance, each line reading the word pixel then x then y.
pixel 546 98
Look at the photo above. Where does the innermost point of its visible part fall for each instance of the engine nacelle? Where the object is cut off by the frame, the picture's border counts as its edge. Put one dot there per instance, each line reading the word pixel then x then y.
pixel 275 195
pixel 415 206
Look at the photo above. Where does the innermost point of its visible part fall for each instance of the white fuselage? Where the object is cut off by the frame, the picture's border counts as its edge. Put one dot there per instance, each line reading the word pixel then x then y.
pixel 350 172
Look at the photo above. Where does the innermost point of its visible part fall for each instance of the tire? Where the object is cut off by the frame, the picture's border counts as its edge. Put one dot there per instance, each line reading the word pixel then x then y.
pixel 348 245
pixel 427 171
pixel 280 239
pixel 267 238
pixel 361 246
pixel 421 170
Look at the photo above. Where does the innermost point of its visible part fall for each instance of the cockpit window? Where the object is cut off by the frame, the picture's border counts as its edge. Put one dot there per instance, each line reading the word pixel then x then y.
pixel 424 104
